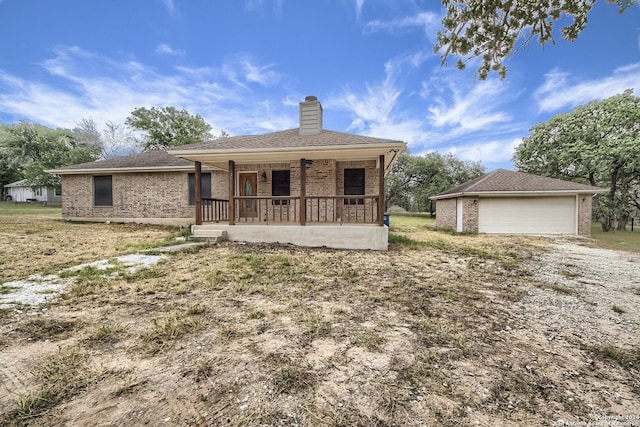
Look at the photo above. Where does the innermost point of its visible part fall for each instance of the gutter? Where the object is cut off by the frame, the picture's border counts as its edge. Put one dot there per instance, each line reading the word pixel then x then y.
pixel 519 193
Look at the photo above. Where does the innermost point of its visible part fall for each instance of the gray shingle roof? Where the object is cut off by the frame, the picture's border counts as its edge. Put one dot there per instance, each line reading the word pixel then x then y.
pixel 284 139
pixel 149 159
pixel 511 181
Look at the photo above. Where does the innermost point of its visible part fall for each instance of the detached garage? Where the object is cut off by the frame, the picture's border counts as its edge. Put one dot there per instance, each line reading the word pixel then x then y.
pixel 508 202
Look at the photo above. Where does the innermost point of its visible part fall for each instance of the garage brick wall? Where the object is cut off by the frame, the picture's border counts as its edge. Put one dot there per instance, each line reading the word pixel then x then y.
pixel 446 214
pixel 469 215
pixel 584 214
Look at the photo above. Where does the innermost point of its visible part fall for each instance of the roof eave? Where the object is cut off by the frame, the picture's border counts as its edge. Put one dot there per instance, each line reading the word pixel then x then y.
pixel 219 158
pixel 531 193
pixel 86 171
pixel 274 150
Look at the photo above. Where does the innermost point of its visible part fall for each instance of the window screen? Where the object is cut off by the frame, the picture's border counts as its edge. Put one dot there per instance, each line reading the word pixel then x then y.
pixel 281 185
pixel 102 190
pixel 205 187
pixel 354 185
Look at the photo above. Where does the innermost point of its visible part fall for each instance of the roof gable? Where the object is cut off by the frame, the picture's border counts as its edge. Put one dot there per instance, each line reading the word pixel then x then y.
pixel 506 181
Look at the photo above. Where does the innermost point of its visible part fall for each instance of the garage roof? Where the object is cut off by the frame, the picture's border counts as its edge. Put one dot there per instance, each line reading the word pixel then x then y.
pixel 509 183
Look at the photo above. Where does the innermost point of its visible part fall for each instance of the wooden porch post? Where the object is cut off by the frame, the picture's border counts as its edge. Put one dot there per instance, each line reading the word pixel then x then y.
pixel 303 192
pixel 381 192
pixel 198 193
pixel 232 192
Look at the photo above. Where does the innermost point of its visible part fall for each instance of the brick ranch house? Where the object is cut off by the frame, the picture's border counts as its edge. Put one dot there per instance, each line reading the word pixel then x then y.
pixel 508 202
pixel 307 186
pixel 153 188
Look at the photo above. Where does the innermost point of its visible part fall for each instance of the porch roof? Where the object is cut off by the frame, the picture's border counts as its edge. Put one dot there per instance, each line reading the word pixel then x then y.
pixel 290 145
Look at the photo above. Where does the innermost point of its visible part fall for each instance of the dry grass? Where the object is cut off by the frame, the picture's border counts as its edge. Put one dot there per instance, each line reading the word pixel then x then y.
pixel 34 239
pixel 277 335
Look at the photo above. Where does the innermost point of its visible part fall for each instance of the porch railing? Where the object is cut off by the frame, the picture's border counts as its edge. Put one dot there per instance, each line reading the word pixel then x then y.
pixel 319 209
pixel 342 209
pixel 214 210
pixel 266 209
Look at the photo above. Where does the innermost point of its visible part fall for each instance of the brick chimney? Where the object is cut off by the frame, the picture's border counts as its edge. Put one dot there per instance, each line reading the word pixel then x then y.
pixel 310 116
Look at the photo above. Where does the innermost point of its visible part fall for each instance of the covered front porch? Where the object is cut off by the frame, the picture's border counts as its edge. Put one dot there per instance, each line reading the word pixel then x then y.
pixel 252 213
pixel 245 207
pixel 306 186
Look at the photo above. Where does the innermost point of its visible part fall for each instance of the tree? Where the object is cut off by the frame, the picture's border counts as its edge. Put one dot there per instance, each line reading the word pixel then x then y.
pixel 413 179
pixel 168 127
pixel 112 140
pixel 32 148
pixel 496 29
pixel 597 144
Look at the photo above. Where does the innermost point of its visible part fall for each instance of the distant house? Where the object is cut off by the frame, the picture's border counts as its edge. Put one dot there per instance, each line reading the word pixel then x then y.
pixel 22 191
pixel 508 202
pixel 306 186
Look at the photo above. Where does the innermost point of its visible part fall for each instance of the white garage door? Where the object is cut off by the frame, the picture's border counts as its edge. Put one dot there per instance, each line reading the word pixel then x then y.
pixel 527 215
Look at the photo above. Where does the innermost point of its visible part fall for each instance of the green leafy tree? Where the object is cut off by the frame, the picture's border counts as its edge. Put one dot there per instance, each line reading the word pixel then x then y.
pixel 597 144
pixel 32 148
pixel 168 127
pixel 493 30
pixel 413 179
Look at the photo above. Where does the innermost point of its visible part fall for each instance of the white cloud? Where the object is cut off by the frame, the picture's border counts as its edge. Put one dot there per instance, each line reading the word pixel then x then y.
pixel 490 152
pixel 359 5
pixel 243 70
pixel 92 85
pixel 253 5
pixel 165 49
pixel 429 21
pixel 170 6
pixel 471 109
pixel 561 91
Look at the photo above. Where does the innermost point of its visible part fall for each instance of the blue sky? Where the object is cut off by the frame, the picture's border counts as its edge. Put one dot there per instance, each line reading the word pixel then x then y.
pixel 244 65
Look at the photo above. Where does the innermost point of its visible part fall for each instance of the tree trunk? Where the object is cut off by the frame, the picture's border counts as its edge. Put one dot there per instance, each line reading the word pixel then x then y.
pixel 622 223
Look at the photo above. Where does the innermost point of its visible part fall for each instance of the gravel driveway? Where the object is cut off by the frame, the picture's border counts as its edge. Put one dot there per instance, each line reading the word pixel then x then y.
pixel 583 293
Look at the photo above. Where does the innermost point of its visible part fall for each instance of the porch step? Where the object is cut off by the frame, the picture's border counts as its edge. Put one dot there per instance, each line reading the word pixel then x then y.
pixel 208 234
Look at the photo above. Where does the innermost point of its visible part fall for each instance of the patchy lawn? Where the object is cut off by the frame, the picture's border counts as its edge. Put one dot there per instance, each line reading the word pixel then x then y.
pixel 618 240
pixel 435 331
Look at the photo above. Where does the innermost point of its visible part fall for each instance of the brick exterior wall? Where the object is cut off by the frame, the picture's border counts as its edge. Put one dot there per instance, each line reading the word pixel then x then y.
pixel 219 184
pixel 166 194
pixel 446 214
pixel 469 215
pixel 136 196
pixel 368 210
pixel 324 178
pixel 584 214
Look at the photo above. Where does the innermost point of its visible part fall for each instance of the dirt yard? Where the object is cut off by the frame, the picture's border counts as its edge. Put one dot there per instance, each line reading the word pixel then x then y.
pixel 453 330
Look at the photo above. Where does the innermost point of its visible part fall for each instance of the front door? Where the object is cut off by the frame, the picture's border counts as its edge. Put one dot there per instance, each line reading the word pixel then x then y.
pixel 247 184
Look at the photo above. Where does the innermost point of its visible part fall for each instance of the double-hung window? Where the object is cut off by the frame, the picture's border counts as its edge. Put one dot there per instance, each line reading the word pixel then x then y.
pixel 205 188
pixel 354 185
pixel 102 190
pixel 281 186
